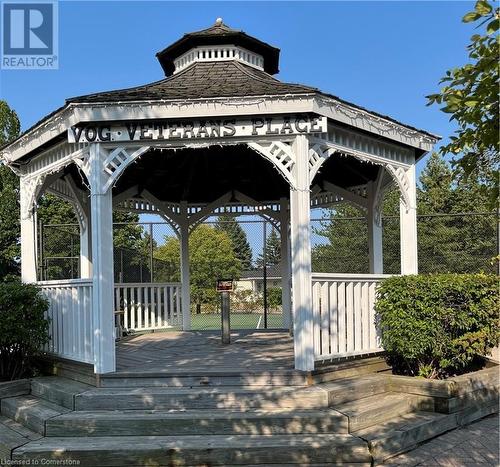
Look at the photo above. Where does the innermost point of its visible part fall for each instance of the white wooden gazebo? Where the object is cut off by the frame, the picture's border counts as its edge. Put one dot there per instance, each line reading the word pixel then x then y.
pixel 219 134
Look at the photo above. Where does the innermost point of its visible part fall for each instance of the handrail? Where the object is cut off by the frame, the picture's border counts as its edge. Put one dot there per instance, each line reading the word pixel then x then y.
pixel 349 276
pixel 147 284
pixel 64 282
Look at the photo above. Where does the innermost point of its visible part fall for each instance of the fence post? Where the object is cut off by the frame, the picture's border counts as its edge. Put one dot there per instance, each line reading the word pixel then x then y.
pixel 374 217
pixel 185 273
pixel 285 264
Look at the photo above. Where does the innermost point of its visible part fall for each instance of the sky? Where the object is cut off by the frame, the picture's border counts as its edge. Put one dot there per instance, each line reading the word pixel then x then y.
pixel 384 56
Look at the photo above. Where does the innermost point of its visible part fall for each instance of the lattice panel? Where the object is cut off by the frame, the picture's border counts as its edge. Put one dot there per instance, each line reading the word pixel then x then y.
pixel 115 160
pixel 318 153
pixel 403 182
pixel 280 154
pixel 118 159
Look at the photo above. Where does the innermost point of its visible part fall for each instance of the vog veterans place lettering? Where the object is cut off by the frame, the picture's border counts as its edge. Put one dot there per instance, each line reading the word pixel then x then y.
pixel 158 130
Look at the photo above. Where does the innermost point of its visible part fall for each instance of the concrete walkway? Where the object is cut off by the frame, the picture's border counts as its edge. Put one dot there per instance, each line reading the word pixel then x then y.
pixel 470 446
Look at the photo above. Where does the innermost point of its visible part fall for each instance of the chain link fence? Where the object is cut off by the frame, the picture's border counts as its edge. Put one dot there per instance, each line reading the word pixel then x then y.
pixel 456 243
pixel 248 250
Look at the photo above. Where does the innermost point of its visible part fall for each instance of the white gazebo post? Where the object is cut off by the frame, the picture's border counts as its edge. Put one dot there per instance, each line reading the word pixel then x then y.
pixel 28 232
pixel 285 264
pixel 408 224
pixel 300 205
pixel 374 218
pixel 185 273
pixel 101 207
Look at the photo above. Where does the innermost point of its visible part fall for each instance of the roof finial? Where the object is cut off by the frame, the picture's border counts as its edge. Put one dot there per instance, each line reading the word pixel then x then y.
pixel 218 21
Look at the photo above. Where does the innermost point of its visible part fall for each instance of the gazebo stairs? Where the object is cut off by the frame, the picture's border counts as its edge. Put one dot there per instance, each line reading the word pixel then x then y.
pixel 354 421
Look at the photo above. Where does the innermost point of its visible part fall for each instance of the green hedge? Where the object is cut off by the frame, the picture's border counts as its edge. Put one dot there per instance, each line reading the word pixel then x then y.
pixel 23 328
pixel 438 325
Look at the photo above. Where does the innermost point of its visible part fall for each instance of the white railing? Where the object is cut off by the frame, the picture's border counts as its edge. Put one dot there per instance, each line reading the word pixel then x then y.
pixel 149 306
pixel 344 315
pixel 70 318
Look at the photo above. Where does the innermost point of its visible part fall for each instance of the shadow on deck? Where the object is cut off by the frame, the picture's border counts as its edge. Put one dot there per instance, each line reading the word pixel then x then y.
pixel 194 351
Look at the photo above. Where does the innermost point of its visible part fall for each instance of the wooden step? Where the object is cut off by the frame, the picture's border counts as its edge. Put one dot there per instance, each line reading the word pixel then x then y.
pixel 400 434
pixel 239 398
pixel 336 449
pixel 189 422
pixel 60 391
pixel 204 378
pixel 350 389
pixel 31 411
pixel 379 408
pixel 331 371
pixel 13 435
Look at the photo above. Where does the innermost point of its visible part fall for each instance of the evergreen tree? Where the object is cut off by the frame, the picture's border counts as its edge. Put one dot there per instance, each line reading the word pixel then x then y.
pixel 340 242
pixel 438 236
pixel 273 251
pixel 9 194
pixel 239 241
pixel 454 241
pixel 451 237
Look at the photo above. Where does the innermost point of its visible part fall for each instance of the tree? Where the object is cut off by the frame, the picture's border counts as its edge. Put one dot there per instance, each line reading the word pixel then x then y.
pixel 60 243
pixel 470 95
pixel 239 240
pixel 450 239
pixel 343 242
pixel 211 257
pixel 452 234
pixel 273 251
pixel 9 194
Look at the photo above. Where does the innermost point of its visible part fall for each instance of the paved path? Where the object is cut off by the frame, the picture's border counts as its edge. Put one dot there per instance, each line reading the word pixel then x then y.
pixel 470 446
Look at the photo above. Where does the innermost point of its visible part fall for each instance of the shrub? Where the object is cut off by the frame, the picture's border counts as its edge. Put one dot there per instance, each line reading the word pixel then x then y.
pixel 438 325
pixel 23 328
pixel 274 298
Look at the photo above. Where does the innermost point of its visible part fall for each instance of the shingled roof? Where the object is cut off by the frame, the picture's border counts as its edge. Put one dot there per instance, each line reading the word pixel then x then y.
pixel 203 80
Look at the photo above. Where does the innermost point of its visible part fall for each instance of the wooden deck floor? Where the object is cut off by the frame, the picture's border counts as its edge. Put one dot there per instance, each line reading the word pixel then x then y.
pixel 202 350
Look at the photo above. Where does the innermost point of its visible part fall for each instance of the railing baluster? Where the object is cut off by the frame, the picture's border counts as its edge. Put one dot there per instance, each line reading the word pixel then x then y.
pixel 150 306
pixel 344 314
pixel 70 314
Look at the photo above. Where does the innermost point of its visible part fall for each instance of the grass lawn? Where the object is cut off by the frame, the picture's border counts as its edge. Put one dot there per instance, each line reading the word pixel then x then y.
pixel 237 320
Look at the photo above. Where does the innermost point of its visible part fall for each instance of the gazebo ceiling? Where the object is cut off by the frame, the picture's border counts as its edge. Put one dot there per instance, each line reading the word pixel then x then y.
pixel 202 175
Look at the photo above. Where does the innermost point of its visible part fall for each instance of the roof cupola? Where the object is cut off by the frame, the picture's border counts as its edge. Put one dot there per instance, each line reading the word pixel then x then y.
pixel 215 44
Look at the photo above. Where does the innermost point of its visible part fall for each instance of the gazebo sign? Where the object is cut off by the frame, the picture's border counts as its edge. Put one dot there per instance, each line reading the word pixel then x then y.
pixel 158 130
pixel 224 285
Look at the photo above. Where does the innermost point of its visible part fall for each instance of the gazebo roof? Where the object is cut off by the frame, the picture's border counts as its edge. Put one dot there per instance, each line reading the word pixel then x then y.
pixel 216 65
pixel 204 80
